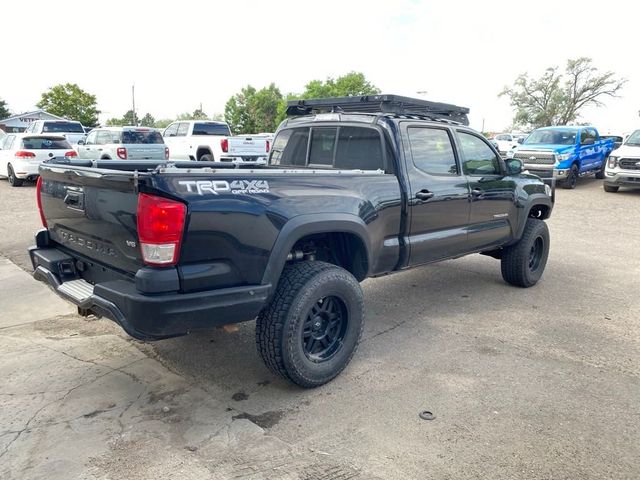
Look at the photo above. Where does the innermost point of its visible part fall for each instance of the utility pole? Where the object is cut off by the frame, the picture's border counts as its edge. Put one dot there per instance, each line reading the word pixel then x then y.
pixel 133 100
pixel 482 131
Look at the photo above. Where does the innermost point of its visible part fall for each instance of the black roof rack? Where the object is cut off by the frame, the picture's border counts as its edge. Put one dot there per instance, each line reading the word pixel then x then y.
pixel 394 104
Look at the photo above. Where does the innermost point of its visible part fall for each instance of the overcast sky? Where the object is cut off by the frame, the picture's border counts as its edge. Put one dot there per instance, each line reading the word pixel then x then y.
pixel 179 54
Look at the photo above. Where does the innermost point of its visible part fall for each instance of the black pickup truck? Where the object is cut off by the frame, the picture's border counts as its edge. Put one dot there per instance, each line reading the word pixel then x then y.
pixel 354 187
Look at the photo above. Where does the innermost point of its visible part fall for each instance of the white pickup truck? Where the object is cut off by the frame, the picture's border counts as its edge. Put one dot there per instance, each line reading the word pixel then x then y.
pixel 205 140
pixel 72 131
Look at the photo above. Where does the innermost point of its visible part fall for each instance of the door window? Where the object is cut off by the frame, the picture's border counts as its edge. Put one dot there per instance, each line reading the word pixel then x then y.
pixel 182 129
pixel 477 156
pixel 8 143
pixel 91 138
pixel 432 152
pixel 171 130
pixel 104 138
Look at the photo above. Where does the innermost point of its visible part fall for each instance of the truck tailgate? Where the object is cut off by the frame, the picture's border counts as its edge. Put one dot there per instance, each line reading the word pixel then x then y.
pixel 92 214
pixel 247 146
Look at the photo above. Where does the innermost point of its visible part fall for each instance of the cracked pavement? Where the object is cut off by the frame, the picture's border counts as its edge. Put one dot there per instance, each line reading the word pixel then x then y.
pixel 537 383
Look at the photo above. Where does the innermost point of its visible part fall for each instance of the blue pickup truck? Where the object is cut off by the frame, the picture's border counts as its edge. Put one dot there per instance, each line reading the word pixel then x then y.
pixel 564 153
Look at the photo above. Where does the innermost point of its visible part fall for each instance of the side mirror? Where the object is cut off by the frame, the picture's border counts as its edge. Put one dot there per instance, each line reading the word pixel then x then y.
pixel 520 140
pixel 80 142
pixel 514 166
pixel 588 141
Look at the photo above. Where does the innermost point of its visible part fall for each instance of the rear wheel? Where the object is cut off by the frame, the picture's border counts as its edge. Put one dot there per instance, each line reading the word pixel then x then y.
pixel 310 330
pixel 610 188
pixel 522 264
pixel 207 157
pixel 600 173
pixel 11 177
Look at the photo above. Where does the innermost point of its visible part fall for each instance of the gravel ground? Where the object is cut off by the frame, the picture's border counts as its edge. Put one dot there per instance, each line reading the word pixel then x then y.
pixel 538 383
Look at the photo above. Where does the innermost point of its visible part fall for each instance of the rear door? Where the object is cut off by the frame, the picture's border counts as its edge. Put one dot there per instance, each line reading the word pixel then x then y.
pixel 45 147
pixel 143 144
pixel 438 194
pixel 492 192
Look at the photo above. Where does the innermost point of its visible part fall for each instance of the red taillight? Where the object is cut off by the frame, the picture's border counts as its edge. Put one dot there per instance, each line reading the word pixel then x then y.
pixel 268 146
pixel 70 153
pixel 122 153
pixel 39 202
pixel 166 153
pixel 224 144
pixel 160 226
pixel 23 154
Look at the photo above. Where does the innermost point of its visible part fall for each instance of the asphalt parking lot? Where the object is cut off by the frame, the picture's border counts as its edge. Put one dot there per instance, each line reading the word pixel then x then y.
pixel 542 383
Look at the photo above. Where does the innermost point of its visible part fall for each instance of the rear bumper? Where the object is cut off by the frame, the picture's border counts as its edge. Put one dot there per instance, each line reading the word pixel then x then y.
pixel 25 170
pixel 147 316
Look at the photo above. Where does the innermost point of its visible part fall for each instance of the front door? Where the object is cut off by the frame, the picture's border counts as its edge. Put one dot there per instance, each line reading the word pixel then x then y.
pixel 438 194
pixel 493 206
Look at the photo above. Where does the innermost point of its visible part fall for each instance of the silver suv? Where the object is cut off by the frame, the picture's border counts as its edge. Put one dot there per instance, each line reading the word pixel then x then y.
pixel 623 165
pixel 123 143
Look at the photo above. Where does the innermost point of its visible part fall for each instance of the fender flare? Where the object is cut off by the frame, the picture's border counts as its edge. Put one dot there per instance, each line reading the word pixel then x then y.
pixel 310 224
pixel 534 199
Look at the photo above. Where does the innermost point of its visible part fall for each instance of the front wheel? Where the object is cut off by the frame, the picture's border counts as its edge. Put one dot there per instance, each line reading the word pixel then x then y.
pixel 11 177
pixel 522 264
pixel 572 178
pixel 311 329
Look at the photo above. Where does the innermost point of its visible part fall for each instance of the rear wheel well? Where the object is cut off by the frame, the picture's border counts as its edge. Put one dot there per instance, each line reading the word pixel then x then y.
pixel 202 151
pixel 539 211
pixel 343 249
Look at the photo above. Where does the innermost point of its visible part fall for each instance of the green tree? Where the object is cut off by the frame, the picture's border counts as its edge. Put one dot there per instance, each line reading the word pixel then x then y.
pixel 126 119
pixel 557 98
pixel 4 110
pixel 163 123
pixel 148 120
pixel 351 84
pixel 254 111
pixel 70 101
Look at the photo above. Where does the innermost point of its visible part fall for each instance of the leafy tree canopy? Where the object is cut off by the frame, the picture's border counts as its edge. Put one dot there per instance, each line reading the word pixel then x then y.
pixel 70 101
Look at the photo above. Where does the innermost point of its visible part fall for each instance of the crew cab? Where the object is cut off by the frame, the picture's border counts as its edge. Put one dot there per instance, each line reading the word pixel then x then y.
pixel 564 153
pixel 72 131
pixel 209 141
pixel 623 166
pixel 355 187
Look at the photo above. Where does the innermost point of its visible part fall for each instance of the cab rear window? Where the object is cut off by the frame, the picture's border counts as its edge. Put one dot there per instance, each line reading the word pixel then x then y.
pixel 136 136
pixel 45 143
pixel 62 127
pixel 346 148
pixel 211 129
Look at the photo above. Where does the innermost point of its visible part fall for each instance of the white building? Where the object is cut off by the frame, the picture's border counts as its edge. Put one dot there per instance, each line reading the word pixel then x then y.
pixel 18 123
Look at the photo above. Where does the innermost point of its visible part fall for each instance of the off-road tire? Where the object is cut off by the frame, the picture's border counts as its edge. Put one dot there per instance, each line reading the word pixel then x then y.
pixel 572 179
pixel 207 157
pixel 610 189
pixel 523 263
pixel 11 177
pixel 280 326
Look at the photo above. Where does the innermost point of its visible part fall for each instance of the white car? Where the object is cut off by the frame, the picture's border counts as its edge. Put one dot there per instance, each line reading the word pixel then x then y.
pixel 623 165
pixel 72 131
pixel 506 142
pixel 123 143
pixel 22 153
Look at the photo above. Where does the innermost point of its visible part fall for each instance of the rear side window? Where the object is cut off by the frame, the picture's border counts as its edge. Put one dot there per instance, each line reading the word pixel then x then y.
pixel 135 136
pixel 431 151
pixel 45 143
pixel 66 127
pixel 211 129
pixel 338 147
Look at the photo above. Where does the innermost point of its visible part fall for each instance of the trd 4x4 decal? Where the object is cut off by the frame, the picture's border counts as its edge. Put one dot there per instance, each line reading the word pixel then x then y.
pixel 216 187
